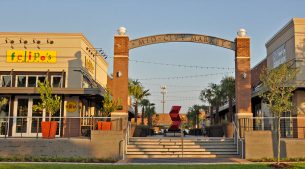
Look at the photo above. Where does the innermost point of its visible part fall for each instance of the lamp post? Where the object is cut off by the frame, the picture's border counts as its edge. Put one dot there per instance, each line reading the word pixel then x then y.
pixel 163 92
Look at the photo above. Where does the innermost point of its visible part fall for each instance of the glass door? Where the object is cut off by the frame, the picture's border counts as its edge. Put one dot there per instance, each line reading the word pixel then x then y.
pixel 37 117
pixel 27 121
pixel 21 111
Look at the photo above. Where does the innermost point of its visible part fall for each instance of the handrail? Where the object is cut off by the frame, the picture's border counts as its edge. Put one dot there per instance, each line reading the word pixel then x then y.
pixel 237 139
pixel 122 148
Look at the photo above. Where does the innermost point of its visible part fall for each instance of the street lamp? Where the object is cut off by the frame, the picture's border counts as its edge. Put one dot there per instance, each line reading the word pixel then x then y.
pixel 163 92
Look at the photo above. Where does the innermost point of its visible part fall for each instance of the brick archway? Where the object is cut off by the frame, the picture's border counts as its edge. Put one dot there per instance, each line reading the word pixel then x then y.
pixel 241 46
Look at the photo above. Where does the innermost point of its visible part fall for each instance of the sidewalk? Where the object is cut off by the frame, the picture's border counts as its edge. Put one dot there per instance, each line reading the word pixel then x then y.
pixel 182 161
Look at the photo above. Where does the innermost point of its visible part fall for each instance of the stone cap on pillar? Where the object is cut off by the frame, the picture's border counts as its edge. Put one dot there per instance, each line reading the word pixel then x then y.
pixel 242 33
pixel 121 31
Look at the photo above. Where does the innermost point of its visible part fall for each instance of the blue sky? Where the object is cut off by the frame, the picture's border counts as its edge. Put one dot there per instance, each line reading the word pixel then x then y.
pixel 99 20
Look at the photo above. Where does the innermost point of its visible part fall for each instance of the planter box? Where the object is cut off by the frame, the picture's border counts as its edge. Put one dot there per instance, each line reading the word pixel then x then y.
pixel 48 129
pixel 103 125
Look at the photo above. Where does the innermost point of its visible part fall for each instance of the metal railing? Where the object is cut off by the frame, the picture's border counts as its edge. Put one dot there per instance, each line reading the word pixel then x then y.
pixel 67 127
pixel 290 127
pixel 238 140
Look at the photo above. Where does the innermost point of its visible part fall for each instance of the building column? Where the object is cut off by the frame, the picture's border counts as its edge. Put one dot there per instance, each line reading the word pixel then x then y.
pixel 120 72
pixel 243 88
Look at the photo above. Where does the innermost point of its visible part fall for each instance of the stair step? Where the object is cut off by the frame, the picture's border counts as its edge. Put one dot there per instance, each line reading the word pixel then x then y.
pixel 179 143
pixel 180 146
pixel 179 150
pixel 179 140
pixel 182 156
pixel 171 147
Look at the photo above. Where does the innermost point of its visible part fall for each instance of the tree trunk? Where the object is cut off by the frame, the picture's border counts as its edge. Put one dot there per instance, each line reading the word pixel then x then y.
pixel 149 118
pixel 142 118
pixel 230 114
pixel 136 112
pixel 217 115
pixel 278 140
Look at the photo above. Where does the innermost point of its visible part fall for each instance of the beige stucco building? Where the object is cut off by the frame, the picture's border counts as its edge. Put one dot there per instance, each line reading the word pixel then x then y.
pixel 75 69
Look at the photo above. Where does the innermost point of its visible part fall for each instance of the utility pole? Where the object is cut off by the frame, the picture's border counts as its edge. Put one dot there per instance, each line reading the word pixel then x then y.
pixel 163 92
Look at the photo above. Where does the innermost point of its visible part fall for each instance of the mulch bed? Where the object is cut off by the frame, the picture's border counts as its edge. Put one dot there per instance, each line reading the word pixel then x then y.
pixel 281 165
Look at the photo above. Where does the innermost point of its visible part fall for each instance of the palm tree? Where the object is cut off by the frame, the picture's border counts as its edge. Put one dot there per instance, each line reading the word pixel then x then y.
pixel 193 114
pixel 150 111
pixel 228 90
pixel 136 90
pixel 144 103
pixel 212 95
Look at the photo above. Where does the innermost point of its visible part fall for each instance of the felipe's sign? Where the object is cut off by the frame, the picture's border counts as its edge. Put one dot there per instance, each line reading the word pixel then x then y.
pixel 31 56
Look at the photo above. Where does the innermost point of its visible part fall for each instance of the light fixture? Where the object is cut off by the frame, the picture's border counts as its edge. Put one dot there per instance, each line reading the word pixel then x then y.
pixel 242 33
pixel 50 41
pixel 244 75
pixel 122 30
pixel 118 74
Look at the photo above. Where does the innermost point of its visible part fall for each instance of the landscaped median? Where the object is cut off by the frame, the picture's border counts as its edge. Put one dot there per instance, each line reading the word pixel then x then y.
pixel 154 166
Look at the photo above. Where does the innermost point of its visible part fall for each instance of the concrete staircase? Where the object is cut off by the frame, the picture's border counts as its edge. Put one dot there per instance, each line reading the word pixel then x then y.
pixel 150 147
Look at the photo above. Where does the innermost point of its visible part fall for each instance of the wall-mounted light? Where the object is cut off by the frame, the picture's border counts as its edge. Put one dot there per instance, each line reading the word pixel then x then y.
pixel 244 75
pixel 50 41
pixel 119 74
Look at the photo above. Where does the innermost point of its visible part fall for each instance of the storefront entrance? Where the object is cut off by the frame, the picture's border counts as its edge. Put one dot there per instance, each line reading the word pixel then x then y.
pixel 26 120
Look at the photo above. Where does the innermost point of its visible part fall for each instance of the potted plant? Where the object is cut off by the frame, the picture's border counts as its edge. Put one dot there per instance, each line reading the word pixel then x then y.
pixel 51 104
pixel 228 129
pixel 109 105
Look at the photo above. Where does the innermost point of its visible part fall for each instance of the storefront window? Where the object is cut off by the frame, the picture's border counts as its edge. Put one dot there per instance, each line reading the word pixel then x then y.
pixel 31 81
pixel 56 81
pixel 6 81
pixel 41 78
pixel 21 81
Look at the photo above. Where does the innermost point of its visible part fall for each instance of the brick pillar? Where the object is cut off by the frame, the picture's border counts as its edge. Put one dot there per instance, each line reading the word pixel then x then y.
pixel 120 71
pixel 243 83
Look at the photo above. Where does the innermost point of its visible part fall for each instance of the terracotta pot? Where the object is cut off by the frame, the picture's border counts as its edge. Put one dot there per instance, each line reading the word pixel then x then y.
pixel 103 125
pixel 48 129
pixel 229 130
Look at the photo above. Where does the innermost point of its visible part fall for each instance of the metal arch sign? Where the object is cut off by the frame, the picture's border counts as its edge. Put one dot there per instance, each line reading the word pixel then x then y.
pixel 196 38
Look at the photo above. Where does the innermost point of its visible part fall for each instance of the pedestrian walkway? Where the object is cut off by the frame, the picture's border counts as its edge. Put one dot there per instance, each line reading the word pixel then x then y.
pixel 184 161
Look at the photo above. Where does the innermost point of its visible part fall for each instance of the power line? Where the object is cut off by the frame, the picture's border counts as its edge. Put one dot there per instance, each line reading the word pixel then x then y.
pixel 181 65
pixel 183 77
pixel 170 85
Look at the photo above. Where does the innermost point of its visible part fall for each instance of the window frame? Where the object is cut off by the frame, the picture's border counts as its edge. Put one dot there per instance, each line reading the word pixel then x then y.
pixel 26 81
pixel 1 81
pixel 61 81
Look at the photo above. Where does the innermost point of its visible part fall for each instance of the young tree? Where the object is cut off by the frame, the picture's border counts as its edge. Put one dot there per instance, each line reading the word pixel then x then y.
pixel 3 101
pixel 109 105
pixel 277 91
pixel 51 103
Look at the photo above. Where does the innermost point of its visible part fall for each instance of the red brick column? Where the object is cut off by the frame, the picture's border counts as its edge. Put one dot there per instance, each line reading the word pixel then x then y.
pixel 120 70
pixel 243 82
